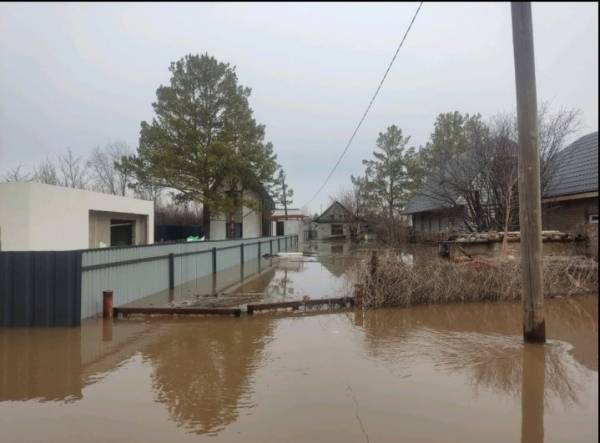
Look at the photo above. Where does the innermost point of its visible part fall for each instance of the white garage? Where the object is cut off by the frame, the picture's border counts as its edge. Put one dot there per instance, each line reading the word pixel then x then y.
pixel 39 217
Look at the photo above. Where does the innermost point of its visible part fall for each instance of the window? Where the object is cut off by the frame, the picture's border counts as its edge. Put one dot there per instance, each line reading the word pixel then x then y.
pixel 337 230
pixel 234 230
pixel 593 218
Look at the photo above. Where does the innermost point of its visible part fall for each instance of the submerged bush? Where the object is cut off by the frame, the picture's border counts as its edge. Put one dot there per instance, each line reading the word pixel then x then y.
pixel 395 283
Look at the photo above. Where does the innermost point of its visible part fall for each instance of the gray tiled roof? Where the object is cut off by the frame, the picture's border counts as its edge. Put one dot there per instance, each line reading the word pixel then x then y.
pixel 576 172
pixel 424 200
pixel 577 168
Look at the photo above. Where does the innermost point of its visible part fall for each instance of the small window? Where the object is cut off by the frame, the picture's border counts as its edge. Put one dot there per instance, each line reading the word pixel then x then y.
pixel 234 230
pixel 337 230
pixel 593 218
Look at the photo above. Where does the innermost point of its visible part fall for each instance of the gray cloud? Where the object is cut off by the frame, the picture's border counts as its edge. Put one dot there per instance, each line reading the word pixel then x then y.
pixel 81 75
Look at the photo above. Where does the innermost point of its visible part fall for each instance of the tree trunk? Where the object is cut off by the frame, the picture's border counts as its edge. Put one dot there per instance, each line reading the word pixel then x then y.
pixel 206 221
pixel 284 187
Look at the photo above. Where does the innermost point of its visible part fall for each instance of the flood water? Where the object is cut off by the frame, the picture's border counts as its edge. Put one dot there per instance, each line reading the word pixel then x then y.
pixel 453 373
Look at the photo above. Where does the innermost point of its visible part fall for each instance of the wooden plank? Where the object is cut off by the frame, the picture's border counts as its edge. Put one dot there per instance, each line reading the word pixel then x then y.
pixel 175 311
pixel 299 303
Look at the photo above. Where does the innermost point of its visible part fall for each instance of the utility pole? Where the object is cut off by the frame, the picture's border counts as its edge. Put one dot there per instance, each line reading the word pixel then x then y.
pixel 530 218
pixel 284 189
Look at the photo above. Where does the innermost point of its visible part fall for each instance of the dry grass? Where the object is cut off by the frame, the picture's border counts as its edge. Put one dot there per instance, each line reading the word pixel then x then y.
pixel 441 281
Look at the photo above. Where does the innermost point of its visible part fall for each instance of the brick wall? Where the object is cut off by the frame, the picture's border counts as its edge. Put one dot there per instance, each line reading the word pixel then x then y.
pixel 568 216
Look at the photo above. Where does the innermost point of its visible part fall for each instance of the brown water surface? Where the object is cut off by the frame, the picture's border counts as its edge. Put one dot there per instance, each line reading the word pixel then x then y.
pixel 455 373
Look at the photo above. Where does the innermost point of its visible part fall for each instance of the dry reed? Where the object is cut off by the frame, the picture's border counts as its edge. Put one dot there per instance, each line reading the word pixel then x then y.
pixel 396 283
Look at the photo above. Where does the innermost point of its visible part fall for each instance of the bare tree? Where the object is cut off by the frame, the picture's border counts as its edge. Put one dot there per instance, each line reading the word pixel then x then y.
pixel 107 178
pixel 46 173
pixel 74 171
pixel 483 179
pixel 17 175
pixel 554 129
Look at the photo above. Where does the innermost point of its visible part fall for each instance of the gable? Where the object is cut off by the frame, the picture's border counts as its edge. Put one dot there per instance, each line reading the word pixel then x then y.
pixel 335 213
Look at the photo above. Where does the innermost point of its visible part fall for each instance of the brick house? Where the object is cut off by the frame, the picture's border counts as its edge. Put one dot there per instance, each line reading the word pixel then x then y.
pixel 569 203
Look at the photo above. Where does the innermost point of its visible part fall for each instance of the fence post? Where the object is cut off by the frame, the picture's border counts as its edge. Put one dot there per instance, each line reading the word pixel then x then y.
pixel 373 274
pixel 107 304
pixel 171 271
pixel 359 292
pixel 214 260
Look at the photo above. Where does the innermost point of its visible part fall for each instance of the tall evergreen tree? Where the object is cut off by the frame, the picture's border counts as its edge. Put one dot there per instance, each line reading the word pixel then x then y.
pixel 389 169
pixel 283 193
pixel 203 139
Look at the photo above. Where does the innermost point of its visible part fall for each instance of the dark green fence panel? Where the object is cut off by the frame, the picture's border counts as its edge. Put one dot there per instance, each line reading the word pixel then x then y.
pixel 40 288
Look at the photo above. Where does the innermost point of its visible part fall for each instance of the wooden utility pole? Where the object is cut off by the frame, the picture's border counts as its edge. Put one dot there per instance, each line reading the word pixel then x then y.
pixel 530 218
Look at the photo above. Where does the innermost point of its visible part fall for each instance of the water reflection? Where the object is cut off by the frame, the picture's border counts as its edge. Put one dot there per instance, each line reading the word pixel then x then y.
pixel 44 364
pixel 201 371
pixel 533 392
pixel 482 342
pixel 202 374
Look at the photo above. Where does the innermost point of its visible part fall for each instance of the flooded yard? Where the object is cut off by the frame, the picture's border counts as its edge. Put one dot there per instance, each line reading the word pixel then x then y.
pixel 452 373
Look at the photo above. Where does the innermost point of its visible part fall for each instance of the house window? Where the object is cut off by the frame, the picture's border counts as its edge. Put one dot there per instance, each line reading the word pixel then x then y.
pixel 593 218
pixel 234 230
pixel 337 230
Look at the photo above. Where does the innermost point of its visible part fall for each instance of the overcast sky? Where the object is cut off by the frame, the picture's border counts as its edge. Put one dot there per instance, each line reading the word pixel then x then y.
pixel 83 75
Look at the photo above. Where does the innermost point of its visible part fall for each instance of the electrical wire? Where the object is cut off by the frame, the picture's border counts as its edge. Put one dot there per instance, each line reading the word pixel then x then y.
pixel 362 119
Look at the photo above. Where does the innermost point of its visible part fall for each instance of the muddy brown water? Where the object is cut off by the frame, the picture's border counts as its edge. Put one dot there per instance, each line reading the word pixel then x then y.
pixel 454 373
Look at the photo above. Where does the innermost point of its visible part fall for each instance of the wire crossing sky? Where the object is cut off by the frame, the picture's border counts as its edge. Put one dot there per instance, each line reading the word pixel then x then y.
pixel 83 75
pixel 362 119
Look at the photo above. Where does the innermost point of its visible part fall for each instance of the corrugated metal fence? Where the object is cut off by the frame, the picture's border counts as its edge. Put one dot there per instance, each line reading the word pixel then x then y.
pixel 40 288
pixel 136 272
pixel 60 288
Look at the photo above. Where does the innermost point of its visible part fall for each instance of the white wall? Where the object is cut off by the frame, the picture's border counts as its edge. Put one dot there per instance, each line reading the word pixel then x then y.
pixel 217 228
pixel 14 217
pixel 251 223
pixel 57 218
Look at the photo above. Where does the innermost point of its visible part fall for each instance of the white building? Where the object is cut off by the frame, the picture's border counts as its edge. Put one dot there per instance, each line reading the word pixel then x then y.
pixel 293 224
pixel 245 222
pixel 39 217
pixel 337 223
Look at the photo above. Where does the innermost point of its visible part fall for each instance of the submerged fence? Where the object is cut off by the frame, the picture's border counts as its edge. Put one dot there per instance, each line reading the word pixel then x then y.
pixel 61 288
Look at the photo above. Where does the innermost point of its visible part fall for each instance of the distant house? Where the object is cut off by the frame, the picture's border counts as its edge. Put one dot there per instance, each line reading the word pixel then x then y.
pixel 40 217
pixel 432 215
pixel 245 222
pixel 337 222
pixel 571 198
pixel 292 224
pixel 569 203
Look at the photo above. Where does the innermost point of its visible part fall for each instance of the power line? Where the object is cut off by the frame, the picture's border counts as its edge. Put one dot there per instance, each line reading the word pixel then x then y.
pixel 362 119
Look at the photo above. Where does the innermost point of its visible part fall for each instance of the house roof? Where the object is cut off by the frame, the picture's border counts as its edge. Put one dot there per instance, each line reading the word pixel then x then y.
pixel 577 168
pixel 328 215
pixel 291 212
pixel 576 172
pixel 424 199
pixel 434 195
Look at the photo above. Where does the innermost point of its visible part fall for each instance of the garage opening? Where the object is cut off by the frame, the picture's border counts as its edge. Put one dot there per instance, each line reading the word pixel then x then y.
pixel 121 232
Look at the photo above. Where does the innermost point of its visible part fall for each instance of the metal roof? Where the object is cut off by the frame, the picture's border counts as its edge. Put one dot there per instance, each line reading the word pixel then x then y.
pixel 576 169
